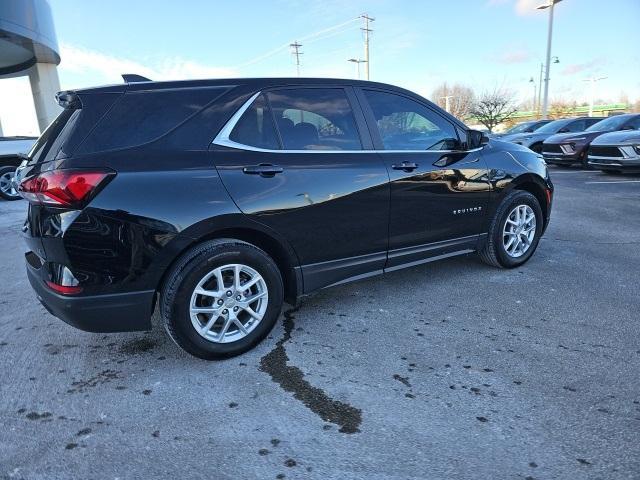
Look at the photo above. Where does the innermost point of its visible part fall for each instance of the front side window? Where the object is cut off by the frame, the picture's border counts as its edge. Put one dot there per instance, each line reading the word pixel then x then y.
pixel 255 127
pixel 577 126
pixel 405 124
pixel 314 119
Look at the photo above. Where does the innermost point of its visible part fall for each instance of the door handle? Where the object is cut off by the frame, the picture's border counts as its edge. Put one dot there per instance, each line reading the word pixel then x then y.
pixel 405 166
pixel 264 170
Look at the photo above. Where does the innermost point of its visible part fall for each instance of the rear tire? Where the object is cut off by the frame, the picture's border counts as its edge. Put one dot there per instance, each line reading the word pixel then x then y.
pixel 584 161
pixel 193 284
pixel 6 189
pixel 495 252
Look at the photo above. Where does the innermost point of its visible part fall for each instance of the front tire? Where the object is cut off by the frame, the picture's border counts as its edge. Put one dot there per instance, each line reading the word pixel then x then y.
pixel 221 298
pixel 514 232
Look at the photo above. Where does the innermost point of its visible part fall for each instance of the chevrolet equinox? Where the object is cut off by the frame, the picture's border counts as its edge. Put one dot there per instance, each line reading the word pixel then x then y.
pixel 218 200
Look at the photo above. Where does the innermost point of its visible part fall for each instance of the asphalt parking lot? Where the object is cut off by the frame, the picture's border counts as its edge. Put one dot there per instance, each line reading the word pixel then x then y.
pixel 450 370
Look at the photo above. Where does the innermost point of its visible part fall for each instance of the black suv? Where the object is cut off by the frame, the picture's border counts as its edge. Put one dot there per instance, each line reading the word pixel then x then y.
pixel 218 200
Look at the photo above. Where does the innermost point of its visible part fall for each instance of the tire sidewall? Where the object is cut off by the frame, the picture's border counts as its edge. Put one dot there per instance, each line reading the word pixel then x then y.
pixel 520 198
pixel 195 270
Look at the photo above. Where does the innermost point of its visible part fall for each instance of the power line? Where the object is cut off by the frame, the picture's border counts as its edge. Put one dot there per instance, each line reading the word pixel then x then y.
pixel 329 31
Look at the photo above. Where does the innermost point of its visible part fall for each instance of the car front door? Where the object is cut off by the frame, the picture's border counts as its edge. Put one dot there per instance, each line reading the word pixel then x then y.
pixel 300 161
pixel 439 190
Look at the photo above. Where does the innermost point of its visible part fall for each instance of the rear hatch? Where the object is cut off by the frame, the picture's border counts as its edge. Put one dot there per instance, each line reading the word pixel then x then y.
pixel 82 111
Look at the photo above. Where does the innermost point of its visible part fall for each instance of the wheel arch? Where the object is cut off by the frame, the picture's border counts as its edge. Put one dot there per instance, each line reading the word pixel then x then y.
pixel 536 187
pixel 270 242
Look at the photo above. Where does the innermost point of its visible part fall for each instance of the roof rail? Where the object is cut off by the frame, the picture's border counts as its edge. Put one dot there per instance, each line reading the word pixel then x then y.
pixel 133 78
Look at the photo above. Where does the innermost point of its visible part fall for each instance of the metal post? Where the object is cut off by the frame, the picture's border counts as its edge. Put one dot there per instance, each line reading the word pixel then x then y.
pixel 545 102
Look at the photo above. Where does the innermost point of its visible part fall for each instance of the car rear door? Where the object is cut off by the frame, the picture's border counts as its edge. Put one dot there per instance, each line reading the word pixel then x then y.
pixel 439 193
pixel 300 161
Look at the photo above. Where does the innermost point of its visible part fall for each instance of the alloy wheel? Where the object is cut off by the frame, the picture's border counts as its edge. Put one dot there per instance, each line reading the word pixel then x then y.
pixel 6 185
pixel 519 231
pixel 228 303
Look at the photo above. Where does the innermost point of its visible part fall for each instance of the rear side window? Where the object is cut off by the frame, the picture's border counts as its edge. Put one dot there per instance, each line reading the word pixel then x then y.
pixel 142 117
pixel 405 124
pixel 255 127
pixel 315 119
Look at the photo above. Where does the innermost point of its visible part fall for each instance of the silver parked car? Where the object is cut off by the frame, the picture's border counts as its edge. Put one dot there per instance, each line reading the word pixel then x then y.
pixel 616 152
pixel 11 151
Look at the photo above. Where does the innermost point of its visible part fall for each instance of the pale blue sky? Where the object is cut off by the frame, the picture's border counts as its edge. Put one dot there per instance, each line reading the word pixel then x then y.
pixel 415 44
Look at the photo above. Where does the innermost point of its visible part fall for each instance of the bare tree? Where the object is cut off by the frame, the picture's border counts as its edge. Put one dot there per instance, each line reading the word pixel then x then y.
pixel 493 108
pixel 562 108
pixel 460 99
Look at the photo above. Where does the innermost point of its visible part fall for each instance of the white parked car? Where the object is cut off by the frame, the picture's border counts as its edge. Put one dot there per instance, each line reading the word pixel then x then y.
pixel 11 149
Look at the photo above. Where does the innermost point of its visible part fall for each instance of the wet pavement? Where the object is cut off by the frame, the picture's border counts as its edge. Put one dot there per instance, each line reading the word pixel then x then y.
pixel 449 370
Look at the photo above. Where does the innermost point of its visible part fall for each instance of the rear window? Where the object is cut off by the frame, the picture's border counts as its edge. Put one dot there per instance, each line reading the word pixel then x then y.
pixel 142 117
pixel 47 146
pixel 255 128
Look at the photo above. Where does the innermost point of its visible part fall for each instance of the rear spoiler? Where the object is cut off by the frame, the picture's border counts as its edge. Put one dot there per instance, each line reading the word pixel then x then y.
pixel 133 78
pixel 70 99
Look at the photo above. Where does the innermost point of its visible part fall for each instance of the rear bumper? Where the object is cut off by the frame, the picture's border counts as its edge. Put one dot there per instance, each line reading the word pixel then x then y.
pixel 121 312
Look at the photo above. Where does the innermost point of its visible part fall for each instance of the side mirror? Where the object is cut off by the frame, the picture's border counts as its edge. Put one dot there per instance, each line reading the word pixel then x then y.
pixel 477 139
pixel 563 130
pixel 627 127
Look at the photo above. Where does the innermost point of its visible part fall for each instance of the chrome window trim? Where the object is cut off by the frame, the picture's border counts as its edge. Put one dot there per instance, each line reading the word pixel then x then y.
pixel 223 139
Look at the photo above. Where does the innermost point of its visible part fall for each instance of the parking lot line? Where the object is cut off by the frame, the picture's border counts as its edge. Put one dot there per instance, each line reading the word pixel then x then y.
pixel 617 181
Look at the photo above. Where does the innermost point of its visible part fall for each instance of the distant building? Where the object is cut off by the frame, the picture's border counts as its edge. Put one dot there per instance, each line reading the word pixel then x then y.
pixel 28 47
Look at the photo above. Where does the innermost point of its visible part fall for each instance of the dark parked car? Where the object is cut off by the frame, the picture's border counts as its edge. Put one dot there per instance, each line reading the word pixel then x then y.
pixel 221 199
pixel 12 149
pixel 616 152
pixel 567 149
pixel 564 125
pixel 523 127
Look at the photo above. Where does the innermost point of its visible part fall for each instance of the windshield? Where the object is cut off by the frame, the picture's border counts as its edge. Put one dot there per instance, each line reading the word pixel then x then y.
pixel 611 123
pixel 553 127
pixel 521 127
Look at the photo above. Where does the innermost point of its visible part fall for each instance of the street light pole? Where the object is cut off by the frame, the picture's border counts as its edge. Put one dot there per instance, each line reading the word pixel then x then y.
pixel 534 104
pixel 592 88
pixel 539 92
pixel 447 104
pixel 545 102
pixel 357 61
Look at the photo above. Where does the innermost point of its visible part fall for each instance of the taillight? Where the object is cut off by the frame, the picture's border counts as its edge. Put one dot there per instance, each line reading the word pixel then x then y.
pixel 63 289
pixel 64 188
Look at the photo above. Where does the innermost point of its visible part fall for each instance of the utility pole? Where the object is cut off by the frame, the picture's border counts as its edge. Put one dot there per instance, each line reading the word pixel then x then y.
pixel 366 31
pixel 295 51
pixel 447 105
pixel 545 102
pixel 592 91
